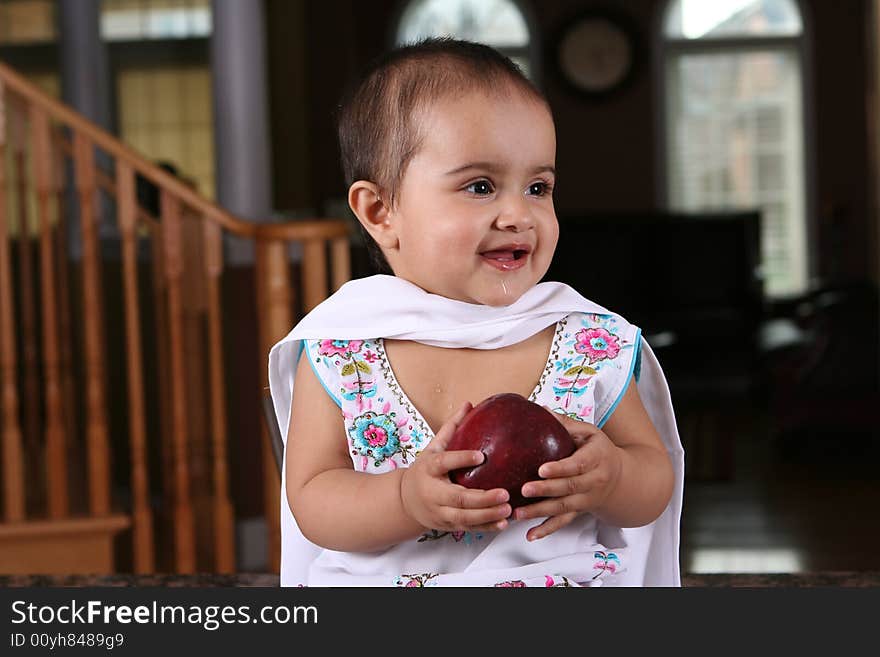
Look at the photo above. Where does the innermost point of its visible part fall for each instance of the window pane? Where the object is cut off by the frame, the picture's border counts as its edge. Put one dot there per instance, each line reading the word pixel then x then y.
pixel 494 22
pixel 27 21
pixel 165 113
pixel 714 19
pixel 735 141
pixel 155 19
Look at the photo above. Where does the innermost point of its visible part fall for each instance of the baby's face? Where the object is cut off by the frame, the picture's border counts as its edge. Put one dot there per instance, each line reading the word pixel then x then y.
pixel 475 218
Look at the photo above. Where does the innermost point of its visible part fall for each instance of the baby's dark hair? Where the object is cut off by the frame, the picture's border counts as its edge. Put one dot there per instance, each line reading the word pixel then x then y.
pixel 378 124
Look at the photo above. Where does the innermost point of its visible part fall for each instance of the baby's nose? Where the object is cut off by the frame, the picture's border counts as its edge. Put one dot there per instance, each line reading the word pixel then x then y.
pixel 515 219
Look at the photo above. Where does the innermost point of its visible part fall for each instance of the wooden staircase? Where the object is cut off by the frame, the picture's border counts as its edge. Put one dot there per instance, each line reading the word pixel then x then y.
pixel 65 506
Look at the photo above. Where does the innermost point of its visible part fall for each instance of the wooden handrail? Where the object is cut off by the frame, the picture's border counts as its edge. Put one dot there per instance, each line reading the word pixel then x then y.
pixel 301 230
pixel 291 230
pixel 117 149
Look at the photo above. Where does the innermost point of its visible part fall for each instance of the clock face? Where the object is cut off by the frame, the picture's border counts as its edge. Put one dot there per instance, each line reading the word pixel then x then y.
pixel 595 55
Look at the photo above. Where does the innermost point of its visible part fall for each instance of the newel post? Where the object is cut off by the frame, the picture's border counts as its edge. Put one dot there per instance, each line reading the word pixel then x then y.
pixel 275 312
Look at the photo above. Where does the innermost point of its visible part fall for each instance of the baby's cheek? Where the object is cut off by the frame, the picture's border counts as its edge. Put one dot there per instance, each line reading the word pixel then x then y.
pixel 453 244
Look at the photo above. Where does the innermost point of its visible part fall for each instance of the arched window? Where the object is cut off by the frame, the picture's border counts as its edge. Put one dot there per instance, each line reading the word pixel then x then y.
pixel 498 23
pixel 735 135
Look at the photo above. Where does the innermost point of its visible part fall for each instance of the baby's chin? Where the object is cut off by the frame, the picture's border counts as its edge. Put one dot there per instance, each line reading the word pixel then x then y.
pixel 504 295
pixel 499 295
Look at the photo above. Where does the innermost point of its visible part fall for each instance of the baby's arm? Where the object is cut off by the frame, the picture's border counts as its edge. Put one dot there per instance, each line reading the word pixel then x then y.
pixel 620 473
pixel 646 479
pixel 339 508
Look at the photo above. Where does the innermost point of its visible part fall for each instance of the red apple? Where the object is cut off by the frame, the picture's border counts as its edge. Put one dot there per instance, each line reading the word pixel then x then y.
pixel 516 436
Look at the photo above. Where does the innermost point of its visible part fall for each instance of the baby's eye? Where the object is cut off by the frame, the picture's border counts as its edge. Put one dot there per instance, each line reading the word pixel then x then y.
pixel 540 188
pixel 480 187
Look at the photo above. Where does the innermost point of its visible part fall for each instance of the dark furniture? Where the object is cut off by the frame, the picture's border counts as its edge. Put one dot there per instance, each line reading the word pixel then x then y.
pixel 824 387
pixel 683 277
pixel 692 283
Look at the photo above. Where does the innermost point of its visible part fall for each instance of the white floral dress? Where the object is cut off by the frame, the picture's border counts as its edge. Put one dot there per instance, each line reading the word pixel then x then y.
pixel 590 363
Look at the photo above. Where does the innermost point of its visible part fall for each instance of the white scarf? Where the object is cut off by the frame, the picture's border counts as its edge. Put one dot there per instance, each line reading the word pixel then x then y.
pixel 390 307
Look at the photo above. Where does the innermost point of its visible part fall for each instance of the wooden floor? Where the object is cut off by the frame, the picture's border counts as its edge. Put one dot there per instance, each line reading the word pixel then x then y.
pixel 788 504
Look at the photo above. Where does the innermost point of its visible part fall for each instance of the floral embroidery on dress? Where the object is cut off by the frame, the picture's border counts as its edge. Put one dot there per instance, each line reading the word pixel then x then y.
pixel 606 562
pixel 556 581
pixel 344 348
pixel 597 344
pixel 357 382
pixel 459 537
pixel 383 436
pixel 379 435
pixel 416 580
pixel 593 346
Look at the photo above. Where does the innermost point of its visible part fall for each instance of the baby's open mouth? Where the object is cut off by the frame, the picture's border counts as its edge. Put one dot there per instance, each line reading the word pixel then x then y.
pixel 505 255
pixel 508 257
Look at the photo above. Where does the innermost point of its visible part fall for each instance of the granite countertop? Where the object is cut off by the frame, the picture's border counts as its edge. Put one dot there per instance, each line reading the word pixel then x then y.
pixel 833 579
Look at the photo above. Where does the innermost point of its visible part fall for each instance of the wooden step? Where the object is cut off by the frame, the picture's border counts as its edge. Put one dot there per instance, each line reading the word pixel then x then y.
pixel 65 546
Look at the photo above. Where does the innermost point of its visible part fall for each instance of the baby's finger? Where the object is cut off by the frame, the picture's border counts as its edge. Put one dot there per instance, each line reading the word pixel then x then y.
pixel 442 462
pixel 497 526
pixel 441 438
pixel 556 487
pixel 459 497
pixel 554 506
pixel 549 526
pixel 577 464
pixel 466 519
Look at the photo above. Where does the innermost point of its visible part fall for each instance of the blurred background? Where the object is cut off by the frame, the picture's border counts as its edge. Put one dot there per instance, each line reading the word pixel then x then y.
pixel 718 186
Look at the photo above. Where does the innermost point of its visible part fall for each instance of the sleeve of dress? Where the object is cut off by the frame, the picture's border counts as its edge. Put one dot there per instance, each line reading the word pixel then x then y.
pixel 614 346
pixel 325 367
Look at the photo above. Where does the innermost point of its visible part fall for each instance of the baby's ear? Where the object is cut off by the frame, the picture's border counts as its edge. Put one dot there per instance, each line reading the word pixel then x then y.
pixel 373 211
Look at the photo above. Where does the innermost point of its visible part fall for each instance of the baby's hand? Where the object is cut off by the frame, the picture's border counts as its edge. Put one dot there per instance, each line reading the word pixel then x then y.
pixel 582 482
pixel 432 500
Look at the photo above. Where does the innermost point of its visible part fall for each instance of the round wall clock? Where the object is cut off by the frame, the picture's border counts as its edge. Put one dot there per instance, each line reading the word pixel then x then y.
pixel 596 53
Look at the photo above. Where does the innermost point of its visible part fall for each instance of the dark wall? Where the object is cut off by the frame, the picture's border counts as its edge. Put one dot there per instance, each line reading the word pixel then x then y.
pixel 840 75
pixel 607 150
